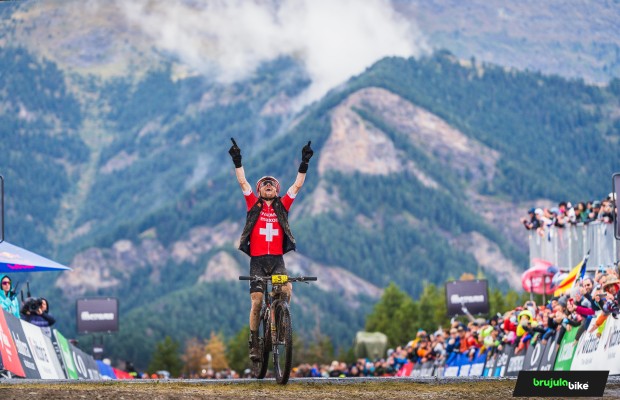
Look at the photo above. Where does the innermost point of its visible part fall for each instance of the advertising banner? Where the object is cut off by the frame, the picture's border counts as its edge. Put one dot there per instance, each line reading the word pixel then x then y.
pixel 85 364
pixel 515 362
pixel 473 295
pixel 566 351
pixel 451 367
pixel 477 364
pixel 97 315
pixel 501 361
pixel 23 350
pixel 427 369
pixel 610 349
pixel 43 352
pixel 490 364
pixel 534 354
pixel 549 354
pixel 63 350
pixel 8 350
pixel 589 352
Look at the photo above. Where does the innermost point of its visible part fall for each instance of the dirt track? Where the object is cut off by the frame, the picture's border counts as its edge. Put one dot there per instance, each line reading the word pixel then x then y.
pixel 299 389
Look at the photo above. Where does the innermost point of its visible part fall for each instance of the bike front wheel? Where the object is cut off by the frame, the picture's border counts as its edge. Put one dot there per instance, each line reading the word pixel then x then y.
pixel 283 346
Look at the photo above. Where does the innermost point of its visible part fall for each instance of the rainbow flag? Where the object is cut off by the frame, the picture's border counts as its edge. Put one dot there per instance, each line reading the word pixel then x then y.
pixel 577 273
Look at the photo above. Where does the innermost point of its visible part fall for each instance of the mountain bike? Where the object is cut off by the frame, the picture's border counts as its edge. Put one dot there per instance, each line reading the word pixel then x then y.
pixel 275 333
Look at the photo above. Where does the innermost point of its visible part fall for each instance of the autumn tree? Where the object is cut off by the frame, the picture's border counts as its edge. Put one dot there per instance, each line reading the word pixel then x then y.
pixel 217 349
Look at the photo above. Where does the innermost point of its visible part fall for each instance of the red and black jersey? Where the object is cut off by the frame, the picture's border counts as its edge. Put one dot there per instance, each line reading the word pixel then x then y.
pixel 267 237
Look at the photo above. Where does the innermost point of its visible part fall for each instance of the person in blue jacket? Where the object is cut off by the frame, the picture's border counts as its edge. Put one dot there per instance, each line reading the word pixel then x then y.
pixel 8 298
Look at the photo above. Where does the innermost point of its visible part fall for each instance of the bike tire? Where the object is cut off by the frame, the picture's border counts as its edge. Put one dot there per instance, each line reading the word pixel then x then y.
pixel 265 342
pixel 283 348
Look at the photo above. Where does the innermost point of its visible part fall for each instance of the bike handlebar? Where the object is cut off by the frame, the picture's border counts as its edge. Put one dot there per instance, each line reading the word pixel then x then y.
pixel 268 278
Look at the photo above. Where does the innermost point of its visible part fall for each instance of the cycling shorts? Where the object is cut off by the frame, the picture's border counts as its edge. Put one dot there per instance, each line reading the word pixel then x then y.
pixel 265 266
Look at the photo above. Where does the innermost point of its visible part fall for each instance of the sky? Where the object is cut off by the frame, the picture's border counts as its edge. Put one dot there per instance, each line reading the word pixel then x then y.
pixel 227 40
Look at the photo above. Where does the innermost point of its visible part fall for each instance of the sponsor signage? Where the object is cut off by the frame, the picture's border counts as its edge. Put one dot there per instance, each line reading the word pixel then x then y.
pixel 477 365
pixel 560 384
pixel 8 350
pixel 610 347
pixel 97 315
pixel 23 350
pixel 63 351
pixel 566 352
pixel 549 354
pixel 473 295
pixel 588 352
pixel 515 362
pixel 43 352
pixel 501 361
pixel 85 365
pixel 534 354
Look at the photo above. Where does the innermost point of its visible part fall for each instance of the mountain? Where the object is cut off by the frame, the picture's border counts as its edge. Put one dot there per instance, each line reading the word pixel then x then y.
pixel 116 164
pixel 568 38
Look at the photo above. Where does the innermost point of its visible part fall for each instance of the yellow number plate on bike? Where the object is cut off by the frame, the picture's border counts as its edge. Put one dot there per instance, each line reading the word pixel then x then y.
pixel 279 279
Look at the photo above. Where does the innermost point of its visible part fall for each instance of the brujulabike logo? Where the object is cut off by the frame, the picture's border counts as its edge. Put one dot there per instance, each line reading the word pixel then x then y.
pixel 551 383
pixel 561 383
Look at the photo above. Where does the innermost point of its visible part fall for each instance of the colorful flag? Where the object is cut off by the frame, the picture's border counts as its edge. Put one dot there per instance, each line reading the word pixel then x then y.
pixel 577 273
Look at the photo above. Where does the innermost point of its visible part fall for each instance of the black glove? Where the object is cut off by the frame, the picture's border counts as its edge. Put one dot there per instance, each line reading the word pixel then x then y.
pixel 306 155
pixel 235 153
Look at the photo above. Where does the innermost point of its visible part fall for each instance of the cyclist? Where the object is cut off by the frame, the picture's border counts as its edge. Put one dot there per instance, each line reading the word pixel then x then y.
pixel 267 234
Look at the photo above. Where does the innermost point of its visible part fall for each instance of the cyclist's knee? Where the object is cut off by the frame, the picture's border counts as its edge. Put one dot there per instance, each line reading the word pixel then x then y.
pixel 257 301
pixel 288 291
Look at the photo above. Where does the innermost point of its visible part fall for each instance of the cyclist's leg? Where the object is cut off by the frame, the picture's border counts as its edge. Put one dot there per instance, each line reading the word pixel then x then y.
pixel 256 297
pixel 280 268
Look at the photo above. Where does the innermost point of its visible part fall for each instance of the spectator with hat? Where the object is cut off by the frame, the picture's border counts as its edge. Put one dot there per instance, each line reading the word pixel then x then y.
pixel 8 297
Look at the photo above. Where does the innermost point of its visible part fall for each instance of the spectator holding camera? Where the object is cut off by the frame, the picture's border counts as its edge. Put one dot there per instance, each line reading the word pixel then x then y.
pixel 8 297
pixel 36 311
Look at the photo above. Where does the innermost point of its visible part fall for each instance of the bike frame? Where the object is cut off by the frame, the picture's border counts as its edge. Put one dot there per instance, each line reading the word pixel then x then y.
pixel 274 302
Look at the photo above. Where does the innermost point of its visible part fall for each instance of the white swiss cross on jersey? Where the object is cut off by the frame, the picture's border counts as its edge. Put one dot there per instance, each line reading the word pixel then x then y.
pixel 268 231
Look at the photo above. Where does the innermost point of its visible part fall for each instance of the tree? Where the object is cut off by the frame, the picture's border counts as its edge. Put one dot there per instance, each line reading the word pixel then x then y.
pixel 166 357
pixel 394 315
pixel 217 349
pixel 237 350
pixel 194 357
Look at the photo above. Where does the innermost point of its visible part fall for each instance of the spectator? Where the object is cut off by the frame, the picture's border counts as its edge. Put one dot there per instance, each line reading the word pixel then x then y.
pixel 593 214
pixel 581 215
pixel 530 222
pixel 36 311
pixel 8 297
pixel 606 214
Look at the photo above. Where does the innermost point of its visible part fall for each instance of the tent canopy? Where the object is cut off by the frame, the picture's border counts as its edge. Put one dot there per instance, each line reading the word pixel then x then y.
pixel 15 259
pixel 370 345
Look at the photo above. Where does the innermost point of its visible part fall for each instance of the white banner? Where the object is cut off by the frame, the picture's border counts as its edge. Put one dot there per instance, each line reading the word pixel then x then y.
pixel 43 352
pixel 594 353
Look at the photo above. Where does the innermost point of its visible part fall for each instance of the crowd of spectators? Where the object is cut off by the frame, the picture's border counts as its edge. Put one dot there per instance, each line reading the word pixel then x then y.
pixel 566 214
pixel 575 309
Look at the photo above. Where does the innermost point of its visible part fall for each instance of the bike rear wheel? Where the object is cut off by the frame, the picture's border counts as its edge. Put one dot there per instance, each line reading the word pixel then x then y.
pixel 283 347
pixel 260 367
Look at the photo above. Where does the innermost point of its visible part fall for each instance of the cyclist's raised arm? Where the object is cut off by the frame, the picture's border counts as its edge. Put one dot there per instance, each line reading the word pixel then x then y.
pixel 235 154
pixel 306 155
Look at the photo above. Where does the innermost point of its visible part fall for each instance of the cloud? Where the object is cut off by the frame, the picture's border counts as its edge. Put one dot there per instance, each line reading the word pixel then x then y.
pixel 333 39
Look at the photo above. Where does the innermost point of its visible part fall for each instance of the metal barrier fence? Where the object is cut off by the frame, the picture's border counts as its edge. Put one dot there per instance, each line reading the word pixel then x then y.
pixel 566 247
